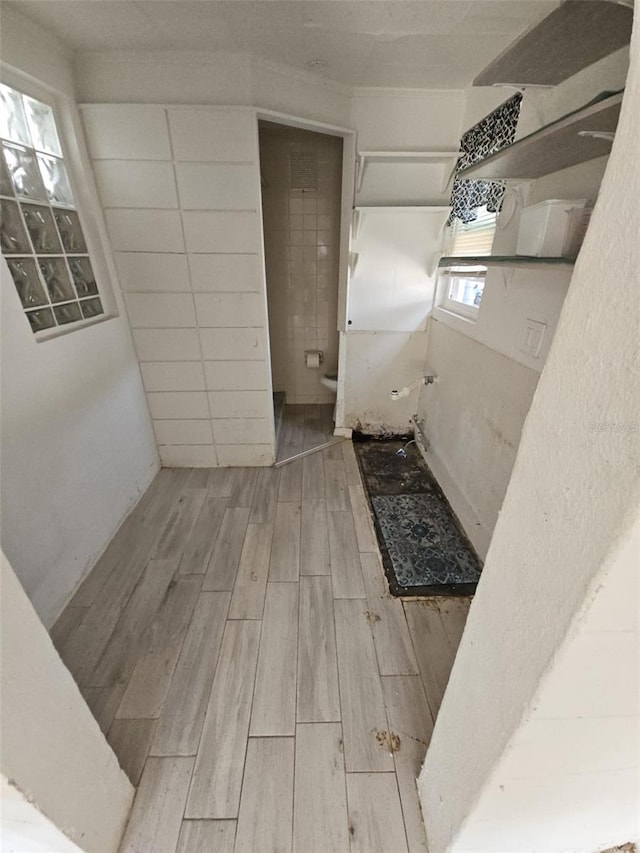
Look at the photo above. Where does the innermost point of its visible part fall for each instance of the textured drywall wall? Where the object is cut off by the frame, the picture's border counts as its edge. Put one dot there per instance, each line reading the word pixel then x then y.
pixel 472 420
pixel 77 443
pixel 566 522
pixel 24 829
pixel 377 363
pixel 53 751
pixel 583 733
pixel 197 77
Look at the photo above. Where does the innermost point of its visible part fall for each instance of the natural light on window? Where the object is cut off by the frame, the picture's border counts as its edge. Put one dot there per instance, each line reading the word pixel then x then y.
pixel 40 232
pixel 463 286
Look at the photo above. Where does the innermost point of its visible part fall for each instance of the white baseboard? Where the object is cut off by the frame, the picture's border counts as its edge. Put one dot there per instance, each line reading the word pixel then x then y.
pixel 343 432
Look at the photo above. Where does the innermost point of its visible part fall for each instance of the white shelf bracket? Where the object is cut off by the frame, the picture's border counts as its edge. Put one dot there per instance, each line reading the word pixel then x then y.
pixel 449 171
pixel 356 221
pixel 362 167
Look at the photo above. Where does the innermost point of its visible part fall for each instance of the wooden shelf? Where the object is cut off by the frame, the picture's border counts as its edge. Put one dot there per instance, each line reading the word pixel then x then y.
pixel 504 261
pixel 556 146
pixel 573 36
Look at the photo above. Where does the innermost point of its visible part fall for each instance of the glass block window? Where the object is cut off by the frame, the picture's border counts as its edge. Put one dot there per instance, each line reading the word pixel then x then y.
pixel 40 232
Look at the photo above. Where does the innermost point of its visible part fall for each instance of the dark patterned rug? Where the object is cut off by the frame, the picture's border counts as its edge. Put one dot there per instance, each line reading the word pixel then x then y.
pixel 424 550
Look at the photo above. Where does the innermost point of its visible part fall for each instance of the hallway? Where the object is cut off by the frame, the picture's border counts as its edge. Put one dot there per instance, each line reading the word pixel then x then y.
pixel 204 643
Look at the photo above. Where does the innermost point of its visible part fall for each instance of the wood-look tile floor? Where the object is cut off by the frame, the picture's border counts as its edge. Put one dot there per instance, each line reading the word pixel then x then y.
pixel 303 427
pixel 262 690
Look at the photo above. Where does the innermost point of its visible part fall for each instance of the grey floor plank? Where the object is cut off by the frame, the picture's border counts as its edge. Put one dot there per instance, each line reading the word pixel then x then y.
pixel 66 624
pixel 318 693
pixel 247 598
pixel 346 570
pixel 150 680
pixel 266 811
pixel 375 815
pixel 313 476
pixel 291 482
pixel 364 719
pixel 87 643
pixel 180 724
pixel 411 728
pixel 335 481
pixel 225 681
pixel 207 836
pixel 222 482
pixel 365 533
pixel 453 614
pixel 199 479
pixel 334 452
pixel 133 531
pixel 172 542
pixel 243 487
pixel 391 636
pixel 160 484
pixel 93 583
pixel 217 775
pixel 225 556
pixel 103 703
pixel 199 545
pixel 314 544
pixel 156 816
pixel 285 550
pixel 274 697
pixel 318 425
pixel 130 634
pixel 320 819
pixel 291 436
pixel 130 740
pixel 433 650
pixel 169 483
pixel 263 508
pixel 351 469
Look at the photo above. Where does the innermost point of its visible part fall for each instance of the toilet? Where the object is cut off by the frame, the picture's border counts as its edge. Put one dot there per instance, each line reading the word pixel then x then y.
pixel 330 380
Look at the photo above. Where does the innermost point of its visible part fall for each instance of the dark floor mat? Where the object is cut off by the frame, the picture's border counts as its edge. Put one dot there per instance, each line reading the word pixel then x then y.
pixel 388 474
pixel 424 550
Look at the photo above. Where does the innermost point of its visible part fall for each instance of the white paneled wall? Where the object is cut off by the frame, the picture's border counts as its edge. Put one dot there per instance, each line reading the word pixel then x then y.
pixel 180 188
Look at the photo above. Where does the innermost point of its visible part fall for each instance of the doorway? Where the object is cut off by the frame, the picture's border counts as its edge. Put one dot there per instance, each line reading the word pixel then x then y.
pixel 301 177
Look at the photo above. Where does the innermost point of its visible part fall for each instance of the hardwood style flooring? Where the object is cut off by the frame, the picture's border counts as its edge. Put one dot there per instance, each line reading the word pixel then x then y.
pixel 303 428
pixel 237 645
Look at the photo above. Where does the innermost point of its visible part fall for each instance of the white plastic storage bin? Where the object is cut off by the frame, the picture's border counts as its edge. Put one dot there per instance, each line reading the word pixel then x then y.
pixel 548 229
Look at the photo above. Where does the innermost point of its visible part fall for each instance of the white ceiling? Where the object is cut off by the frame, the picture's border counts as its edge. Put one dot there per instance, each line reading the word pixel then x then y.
pixel 401 43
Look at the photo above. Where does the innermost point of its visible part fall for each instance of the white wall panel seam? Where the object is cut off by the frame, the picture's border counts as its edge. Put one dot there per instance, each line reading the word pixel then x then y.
pixel 184 237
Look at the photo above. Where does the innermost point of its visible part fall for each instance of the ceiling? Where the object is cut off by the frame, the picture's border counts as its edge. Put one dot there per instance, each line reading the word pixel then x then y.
pixel 402 43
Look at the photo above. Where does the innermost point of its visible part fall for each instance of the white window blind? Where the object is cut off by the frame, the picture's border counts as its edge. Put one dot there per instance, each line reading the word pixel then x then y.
pixel 473 238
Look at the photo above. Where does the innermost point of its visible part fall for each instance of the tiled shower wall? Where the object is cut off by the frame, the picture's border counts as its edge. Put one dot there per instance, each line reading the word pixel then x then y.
pixel 180 188
pixel 301 235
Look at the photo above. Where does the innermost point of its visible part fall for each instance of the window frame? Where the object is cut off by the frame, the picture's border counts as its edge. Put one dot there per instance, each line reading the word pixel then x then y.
pixel 83 205
pixel 455 235
pixel 448 279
